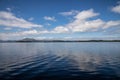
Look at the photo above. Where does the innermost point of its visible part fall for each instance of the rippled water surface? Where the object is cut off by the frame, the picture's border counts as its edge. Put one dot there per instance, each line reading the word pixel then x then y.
pixel 60 61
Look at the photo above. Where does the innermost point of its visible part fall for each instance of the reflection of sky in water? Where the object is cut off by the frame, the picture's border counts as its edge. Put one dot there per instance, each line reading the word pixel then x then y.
pixel 90 57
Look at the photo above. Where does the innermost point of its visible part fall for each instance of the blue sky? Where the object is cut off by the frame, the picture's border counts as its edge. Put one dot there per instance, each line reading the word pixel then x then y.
pixel 60 19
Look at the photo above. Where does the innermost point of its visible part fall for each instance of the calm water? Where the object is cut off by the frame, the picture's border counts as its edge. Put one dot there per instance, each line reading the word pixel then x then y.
pixel 60 61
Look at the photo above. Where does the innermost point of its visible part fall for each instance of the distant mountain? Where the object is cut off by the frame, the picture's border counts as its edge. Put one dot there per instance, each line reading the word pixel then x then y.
pixel 27 40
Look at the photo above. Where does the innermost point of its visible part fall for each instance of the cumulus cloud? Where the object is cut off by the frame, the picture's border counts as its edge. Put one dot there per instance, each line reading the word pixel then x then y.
pixel 60 29
pixel 69 13
pixel 83 15
pixel 82 22
pixel 112 24
pixel 28 32
pixel 49 18
pixel 116 8
pixel 8 19
pixel 84 26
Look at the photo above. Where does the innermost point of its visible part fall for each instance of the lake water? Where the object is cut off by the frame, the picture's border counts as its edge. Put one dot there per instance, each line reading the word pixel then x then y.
pixel 60 61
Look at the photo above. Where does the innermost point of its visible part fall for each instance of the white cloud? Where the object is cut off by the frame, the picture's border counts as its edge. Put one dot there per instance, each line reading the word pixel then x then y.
pixel 44 38
pixel 112 24
pixel 82 22
pixel 49 18
pixel 60 29
pixel 68 37
pixel 8 19
pixel 69 13
pixel 116 8
pixel 28 32
pixel 17 34
pixel 83 15
pixel 84 26
pixel 32 32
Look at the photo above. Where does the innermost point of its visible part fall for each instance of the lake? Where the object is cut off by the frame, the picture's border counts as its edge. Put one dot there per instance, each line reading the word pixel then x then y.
pixel 60 61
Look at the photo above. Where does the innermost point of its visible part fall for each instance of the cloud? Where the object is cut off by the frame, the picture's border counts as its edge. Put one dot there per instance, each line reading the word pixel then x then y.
pixel 28 32
pixel 116 8
pixel 112 24
pixel 84 26
pixel 80 23
pixel 17 34
pixel 8 19
pixel 83 15
pixel 49 18
pixel 60 29
pixel 83 23
pixel 44 38
pixel 69 13
pixel 32 32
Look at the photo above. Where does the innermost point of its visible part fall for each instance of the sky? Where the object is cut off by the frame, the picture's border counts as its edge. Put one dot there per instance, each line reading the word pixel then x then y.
pixel 59 19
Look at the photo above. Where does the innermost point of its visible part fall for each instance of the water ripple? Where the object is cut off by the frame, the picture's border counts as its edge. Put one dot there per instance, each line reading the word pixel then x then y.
pixel 62 63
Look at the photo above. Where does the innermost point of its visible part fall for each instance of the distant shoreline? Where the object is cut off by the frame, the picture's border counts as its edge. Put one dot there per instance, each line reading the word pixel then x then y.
pixel 34 40
pixel 63 41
